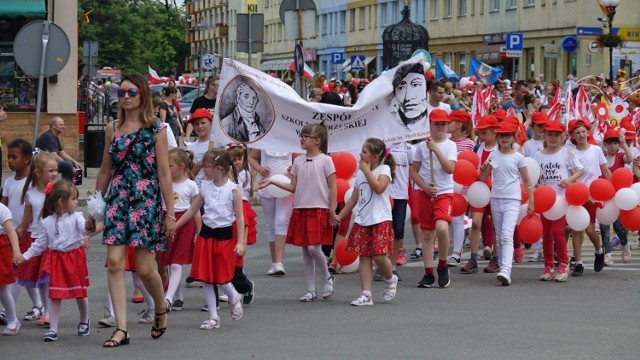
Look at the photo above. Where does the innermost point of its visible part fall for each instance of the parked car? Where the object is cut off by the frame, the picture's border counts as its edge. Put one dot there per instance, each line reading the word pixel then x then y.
pixel 185 104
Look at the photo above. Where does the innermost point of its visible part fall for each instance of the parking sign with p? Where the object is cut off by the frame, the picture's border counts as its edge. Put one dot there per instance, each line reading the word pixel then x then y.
pixel 514 41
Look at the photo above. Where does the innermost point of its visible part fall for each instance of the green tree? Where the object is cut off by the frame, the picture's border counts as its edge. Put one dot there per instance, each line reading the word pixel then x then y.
pixel 134 34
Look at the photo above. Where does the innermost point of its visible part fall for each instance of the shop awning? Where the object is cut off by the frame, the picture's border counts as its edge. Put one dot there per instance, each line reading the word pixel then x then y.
pixel 276 64
pixel 26 8
pixel 490 54
pixel 367 60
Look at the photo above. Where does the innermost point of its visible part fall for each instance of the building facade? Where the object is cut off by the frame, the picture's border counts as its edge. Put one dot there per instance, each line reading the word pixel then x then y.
pixel 207 31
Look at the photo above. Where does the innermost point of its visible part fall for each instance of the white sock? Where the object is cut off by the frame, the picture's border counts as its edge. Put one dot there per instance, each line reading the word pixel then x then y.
pixel 54 309
pixel 321 263
pixel 599 251
pixel 210 300
pixel 83 309
pixel 109 304
pixel 309 269
pixel 175 274
pixel 34 295
pixel 137 282
pixel 44 297
pixel 230 291
pixel 9 304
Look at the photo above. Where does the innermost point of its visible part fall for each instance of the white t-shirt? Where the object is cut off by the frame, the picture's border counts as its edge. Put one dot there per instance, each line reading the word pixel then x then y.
pixel 532 146
pixel 199 148
pixel 182 194
pixel 35 199
pixel 403 155
pixel 505 175
pixel 591 159
pixel 372 208
pixel 244 184
pixel 278 162
pixel 171 138
pixel 555 168
pixel 312 189
pixel 444 180
pixel 5 215
pixel 13 192
pixel 218 204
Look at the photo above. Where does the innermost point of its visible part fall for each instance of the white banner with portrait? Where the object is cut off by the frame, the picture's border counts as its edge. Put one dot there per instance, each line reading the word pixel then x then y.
pixel 265 113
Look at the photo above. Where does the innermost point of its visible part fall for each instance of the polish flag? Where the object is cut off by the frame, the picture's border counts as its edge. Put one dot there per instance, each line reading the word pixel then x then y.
pixel 478 108
pixel 153 76
pixel 307 73
pixel 554 106
pixel 582 106
pixel 569 103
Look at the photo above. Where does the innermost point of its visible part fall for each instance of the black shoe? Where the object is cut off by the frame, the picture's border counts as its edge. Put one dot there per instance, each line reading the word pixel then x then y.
pixel 427 281
pixel 572 263
pixel 578 270
pixel 177 305
pixel 527 246
pixel 395 272
pixel 598 264
pixel 443 278
pixel 247 297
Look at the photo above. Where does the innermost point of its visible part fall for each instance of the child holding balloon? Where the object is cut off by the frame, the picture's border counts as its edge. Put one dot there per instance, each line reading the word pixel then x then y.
pixel 432 172
pixel 372 235
pixel 559 168
pixel 313 217
pixel 507 167
pixel 595 164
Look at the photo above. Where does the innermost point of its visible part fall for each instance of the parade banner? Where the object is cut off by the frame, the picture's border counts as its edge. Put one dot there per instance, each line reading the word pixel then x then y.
pixel 265 113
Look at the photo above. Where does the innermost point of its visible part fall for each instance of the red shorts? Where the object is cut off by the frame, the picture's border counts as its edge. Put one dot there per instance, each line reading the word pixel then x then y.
pixel 433 210
pixel 250 223
pixel 413 205
pixel 6 262
pixel 591 209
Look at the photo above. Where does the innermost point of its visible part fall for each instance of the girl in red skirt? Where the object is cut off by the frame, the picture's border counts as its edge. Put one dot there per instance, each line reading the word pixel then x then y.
pixel 180 250
pixel 44 169
pixel 313 217
pixel 372 233
pixel 9 250
pixel 61 234
pixel 239 158
pixel 219 241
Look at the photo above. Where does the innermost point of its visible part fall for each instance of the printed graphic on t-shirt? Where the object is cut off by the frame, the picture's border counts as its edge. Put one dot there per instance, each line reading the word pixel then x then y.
pixel 551 172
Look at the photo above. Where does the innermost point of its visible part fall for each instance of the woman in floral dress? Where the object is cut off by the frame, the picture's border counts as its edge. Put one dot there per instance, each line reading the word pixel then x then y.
pixel 135 169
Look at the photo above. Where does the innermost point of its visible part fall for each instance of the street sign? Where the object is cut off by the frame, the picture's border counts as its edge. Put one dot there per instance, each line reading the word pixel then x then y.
pixel 513 53
pixel 594 46
pixel 337 58
pixel 569 43
pixel 588 31
pixel 551 51
pixel 357 62
pixel 298 58
pixel 252 6
pixel 208 62
pixel 515 41
pixel 250 30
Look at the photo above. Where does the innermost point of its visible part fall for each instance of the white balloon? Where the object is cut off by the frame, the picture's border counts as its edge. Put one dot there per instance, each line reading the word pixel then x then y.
pixel 351 181
pixel 577 217
pixel 626 199
pixel 464 81
pixel 276 191
pixel 347 194
pixel 353 267
pixel 523 212
pixel 608 214
pixel 427 66
pixel 558 210
pixel 479 194
pixel 533 168
pixel 636 188
pixel 457 188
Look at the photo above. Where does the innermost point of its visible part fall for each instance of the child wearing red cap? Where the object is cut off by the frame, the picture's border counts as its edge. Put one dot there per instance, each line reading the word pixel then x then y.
pixel 432 172
pixel 201 120
pixel 559 168
pixel 595 164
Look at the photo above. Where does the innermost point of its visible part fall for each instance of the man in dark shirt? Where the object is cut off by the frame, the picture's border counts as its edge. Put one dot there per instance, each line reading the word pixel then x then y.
pixel 50 141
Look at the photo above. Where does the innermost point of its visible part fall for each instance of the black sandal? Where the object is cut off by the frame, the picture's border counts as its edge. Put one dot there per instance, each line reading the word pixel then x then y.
pixel 115 343
pixel 156 330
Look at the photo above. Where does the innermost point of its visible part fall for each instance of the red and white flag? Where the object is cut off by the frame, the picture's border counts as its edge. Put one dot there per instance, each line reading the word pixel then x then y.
pixel 307 73
pixel 486 95
pixel 582 108
pixel 478 107
pixel 153 76
pixel 554 106
pixel 568 102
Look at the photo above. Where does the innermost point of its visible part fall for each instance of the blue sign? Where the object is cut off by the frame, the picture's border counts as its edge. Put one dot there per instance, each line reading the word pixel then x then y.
pixel 337 58
pixel 588 31
pixel 357 62
pixel 569 43
pixel 515 41
pixel 298 58
pixel 425 55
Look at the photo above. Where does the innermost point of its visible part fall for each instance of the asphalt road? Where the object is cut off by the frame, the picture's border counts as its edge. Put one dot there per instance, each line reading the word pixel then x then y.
pixel 593 317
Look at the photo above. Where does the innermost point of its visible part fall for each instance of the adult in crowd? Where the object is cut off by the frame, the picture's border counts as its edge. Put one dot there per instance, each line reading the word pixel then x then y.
pixel 168 112
pixel 135 171
pixel 518 102
pixel 206 101
pixel 50 141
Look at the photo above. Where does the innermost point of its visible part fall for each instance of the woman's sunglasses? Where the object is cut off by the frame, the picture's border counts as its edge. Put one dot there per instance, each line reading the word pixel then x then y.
pixel 132 92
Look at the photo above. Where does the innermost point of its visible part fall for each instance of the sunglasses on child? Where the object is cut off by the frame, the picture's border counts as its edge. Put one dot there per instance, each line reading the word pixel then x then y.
pixel 132 92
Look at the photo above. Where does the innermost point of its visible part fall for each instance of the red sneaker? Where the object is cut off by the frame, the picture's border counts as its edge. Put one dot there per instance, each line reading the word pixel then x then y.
pixel 469 268
pixel 402 258
pixel 493 266
pixel 518 255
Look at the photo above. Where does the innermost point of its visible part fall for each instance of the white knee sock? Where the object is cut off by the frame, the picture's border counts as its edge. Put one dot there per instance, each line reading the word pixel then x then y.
pixel 34 295
pixel 210 300
pixel 230 291
pixel 9 304
pixel 44 297
pixel 137 282
pixel 320 260
pixel 83 309
pixel 175 275
pixel 309 269
pixel 110 304
pixel 54 307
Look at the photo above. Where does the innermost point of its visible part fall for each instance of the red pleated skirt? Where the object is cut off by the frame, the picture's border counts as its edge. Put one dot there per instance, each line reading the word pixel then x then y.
pixel 180 250
pixel 28 272
pixel 6 262
pixel 214 260
pixel 69 277
pixel 310 227
pixel 250 222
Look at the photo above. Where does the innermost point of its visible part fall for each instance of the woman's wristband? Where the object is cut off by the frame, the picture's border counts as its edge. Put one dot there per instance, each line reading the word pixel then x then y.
pixel 171 217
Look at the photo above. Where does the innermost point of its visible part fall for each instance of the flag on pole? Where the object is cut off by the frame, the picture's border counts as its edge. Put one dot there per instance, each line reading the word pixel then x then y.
pixel 554 106
pixel 445 72
pixel 478 107
pixel 153 76
pixel 85 17
pixel 307 73
pixel 582 107
pixel 483 71
pixel 569 103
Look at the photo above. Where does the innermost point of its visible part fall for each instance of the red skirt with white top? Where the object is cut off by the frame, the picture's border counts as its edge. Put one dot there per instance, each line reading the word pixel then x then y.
pixel 180 250
pixel 28 272
pixel 69 277
pixel 6 262
pixel 214 259
pixel 310 227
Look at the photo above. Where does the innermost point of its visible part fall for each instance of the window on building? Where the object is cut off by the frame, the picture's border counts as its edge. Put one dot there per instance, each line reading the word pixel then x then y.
pixel 447 8
pixel 531 2
pixel 435 9
pixel 343 21
pixel 462 8
pixel 352 20
pixel 512 4
pixel 323 27
pixel 481 7
pixel 383 14
pixel 494 5
pixel 447 59
pixel 394 13
pixel 362 17
pixel 462 64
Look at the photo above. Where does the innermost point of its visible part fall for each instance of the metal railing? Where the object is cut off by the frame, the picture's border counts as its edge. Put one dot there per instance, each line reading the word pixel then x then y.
pixel 99 107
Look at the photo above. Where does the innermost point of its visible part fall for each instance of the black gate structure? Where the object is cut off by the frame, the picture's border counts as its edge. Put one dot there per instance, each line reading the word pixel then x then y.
pixel 401 39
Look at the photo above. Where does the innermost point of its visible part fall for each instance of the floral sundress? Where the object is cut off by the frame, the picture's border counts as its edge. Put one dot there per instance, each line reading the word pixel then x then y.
pixel 133 215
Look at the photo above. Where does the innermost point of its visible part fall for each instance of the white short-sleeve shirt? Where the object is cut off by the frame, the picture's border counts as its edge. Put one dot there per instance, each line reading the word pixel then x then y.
pixel 505 175
pixel 12 190
pixel 444 180
pixel 372 208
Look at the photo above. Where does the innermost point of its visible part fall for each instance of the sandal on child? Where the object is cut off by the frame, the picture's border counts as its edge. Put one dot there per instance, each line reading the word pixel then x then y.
pixel 84 328
pixel 328 287
pixel 156 330
pixel 210 323
pixel 115 343
pixel 309 296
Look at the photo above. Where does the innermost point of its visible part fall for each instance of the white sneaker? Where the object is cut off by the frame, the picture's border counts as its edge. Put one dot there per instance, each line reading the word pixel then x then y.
pixel 146 317
pixel 108 321
pixel 504 279
pixel 454 260
pixel 362 300
pixel 626 253
pixel 608 260
pixel 535 256
pixel 223 297
pixel 272 269
pixel 390 287
pixel 279 269
pixel 487 252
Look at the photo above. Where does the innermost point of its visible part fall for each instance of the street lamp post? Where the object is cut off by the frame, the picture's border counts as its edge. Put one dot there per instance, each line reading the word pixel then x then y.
pixel 611 13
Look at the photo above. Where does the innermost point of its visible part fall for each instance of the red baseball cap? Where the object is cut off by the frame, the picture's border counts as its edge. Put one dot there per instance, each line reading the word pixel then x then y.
pixel 554 126
pixel 611 134
pixel 540 118
pixel 576 123
pixel 200 113
pixel 507 127
pixel 511 119
pixel 500 114
pixel 487 121
pixel 460 116
pixel 439 115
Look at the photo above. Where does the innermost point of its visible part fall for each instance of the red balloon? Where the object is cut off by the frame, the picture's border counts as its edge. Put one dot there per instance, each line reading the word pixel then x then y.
pixel 543 198
pixel 331 86
pixel 325 88
pixel 273 74
pixel 530 229
pixel 343 186
pixel 631 218
pixel 524 197
pixel 459 206
pixel 577 194
pixel 488 181
pixel 469 86
pixel 602 190
pixel 343 256
pixel 621 178
pixel 355 81
pixel 429 75
pixel 464 173
pixel 470 156
pixel 473 78
pixel 345 164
